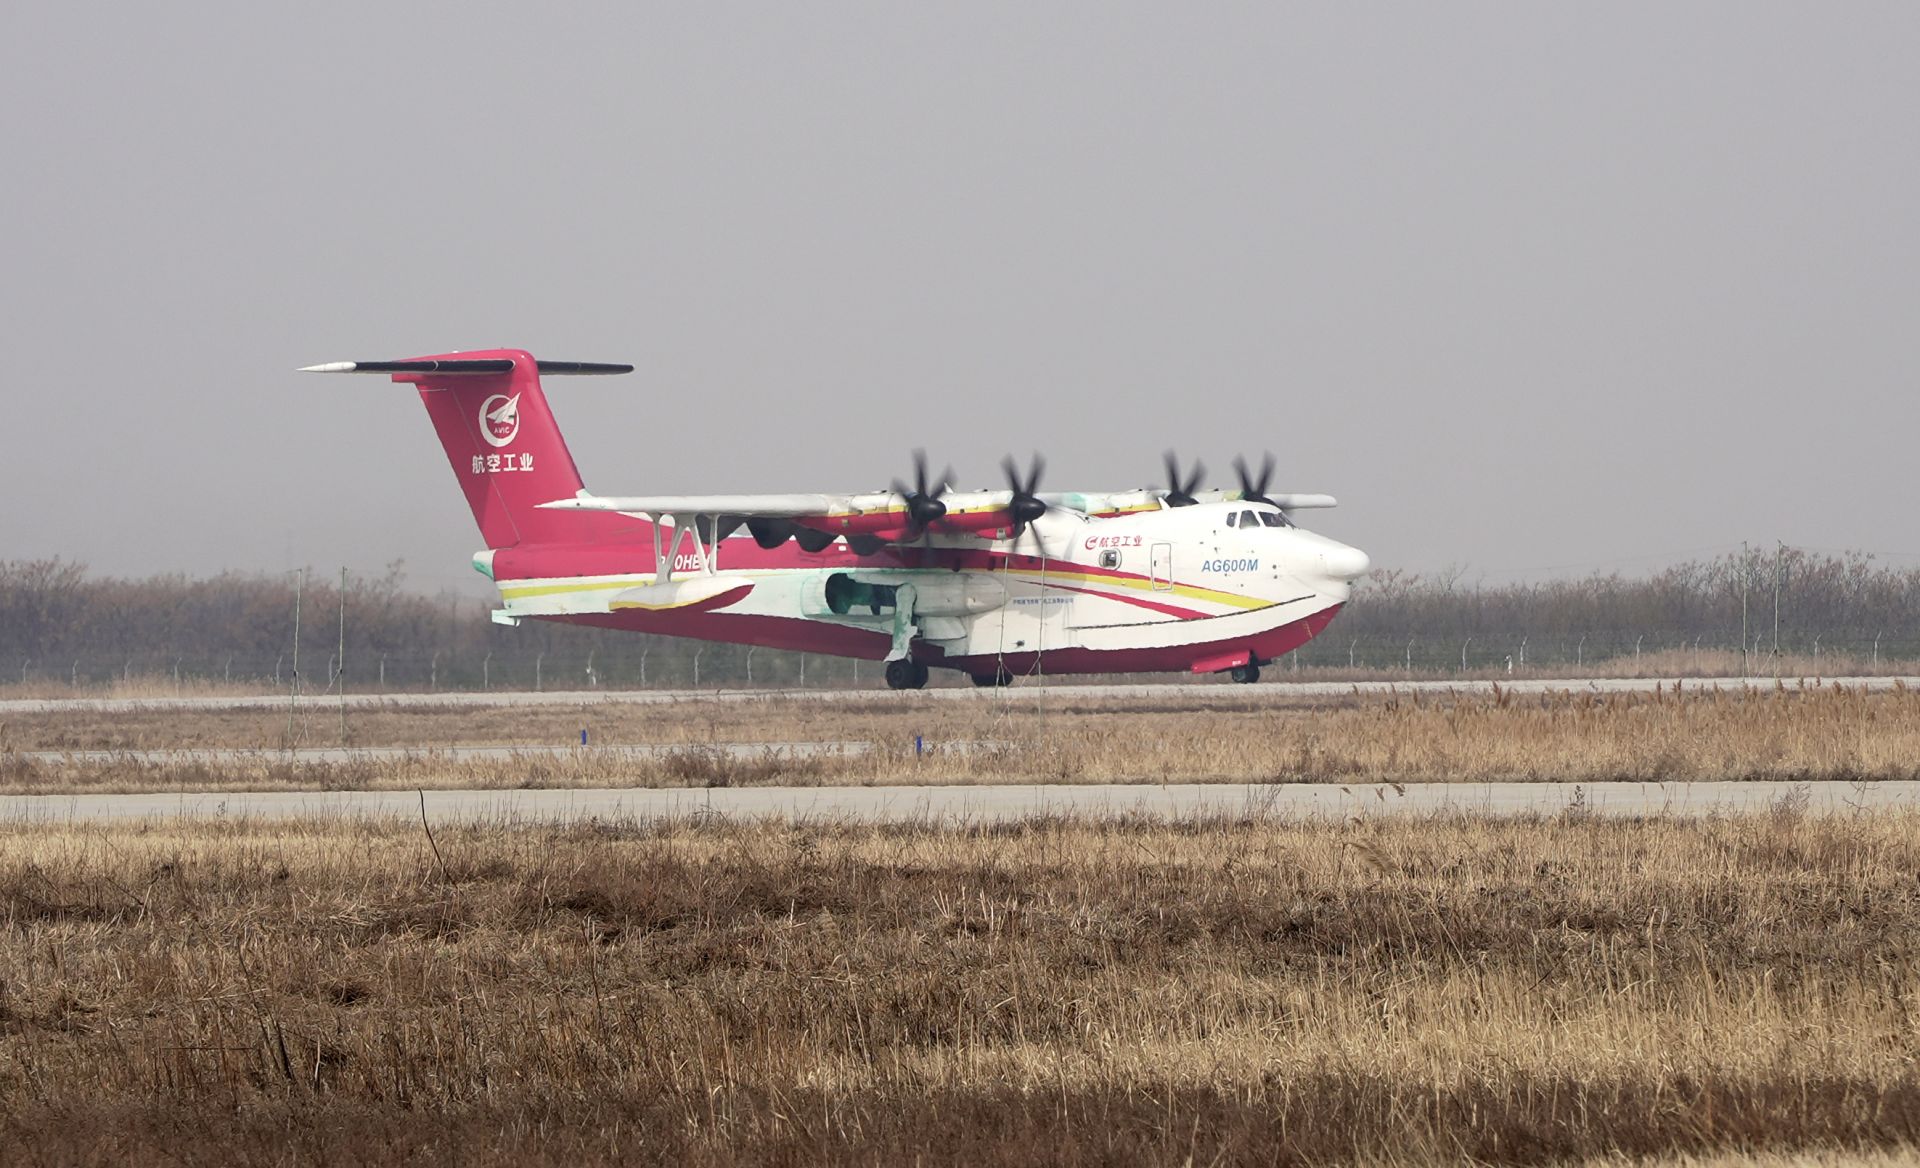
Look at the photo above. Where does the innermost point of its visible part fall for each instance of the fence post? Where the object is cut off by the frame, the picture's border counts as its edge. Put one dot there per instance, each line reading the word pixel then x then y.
pixel 644 650
pixel 383 671
pixel 750 649
pixel 1580 653
pixel 537 658
pixel 1523 652
pixel 486 670
pixel 696 666
pixel 1409 658
pixel 433 673
pixel 23 670
pixel 1463 653
pixel 1876 650
pixel 1636 651
pixel 73 679
pixel 1350 645
pixel 803 671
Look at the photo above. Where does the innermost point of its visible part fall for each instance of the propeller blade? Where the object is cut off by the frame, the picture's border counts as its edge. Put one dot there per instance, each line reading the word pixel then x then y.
pixel 923 499
pixel 1252 489
pixel 1179 491
pixel 1025 506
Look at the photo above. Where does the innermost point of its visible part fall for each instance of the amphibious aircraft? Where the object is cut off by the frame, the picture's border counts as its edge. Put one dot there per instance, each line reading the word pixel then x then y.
pixel 993 583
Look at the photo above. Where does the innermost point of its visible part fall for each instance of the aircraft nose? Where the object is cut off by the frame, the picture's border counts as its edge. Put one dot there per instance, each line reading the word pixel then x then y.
pixel 1345 563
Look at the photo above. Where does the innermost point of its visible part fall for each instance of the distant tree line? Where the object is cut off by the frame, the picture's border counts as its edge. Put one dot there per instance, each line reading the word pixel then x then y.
pixel 60 622
pixel 1847 603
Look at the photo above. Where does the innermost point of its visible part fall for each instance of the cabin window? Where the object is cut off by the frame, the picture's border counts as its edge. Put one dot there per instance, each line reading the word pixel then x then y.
pixel 1110 558
pixel 1233 521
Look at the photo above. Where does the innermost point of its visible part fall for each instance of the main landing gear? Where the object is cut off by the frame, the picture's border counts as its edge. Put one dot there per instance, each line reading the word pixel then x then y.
pixel 1247 674
pixel 999 677
pixel 906 674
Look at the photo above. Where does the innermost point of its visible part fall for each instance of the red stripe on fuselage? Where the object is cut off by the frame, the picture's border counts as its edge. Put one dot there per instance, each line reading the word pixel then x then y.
pixel 1136 601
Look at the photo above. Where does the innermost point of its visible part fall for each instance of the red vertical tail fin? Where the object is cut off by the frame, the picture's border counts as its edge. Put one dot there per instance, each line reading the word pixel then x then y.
pixel 504 446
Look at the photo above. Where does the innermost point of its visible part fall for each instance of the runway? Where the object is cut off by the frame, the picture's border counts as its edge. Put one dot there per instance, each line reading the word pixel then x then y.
pixel 978 804
pixel 1192 691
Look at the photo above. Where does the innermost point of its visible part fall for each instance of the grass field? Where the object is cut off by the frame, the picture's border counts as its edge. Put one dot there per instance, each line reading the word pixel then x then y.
pixel 1784 733
pixel 1431 990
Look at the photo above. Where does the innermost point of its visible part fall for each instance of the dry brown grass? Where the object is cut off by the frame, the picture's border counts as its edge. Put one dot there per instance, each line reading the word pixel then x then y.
pixel 136 687
pixel 1046 992
pixel 1694 735
pixel 1661 663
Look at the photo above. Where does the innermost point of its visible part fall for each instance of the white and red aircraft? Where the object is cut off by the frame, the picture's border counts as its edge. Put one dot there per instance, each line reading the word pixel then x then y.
pixel 992 583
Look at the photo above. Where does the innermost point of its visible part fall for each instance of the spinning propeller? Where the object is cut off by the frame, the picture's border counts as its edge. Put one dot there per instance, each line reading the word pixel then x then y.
pixel 1025 507
pixel 1254 490
pixel 1180 491
pixel 924 507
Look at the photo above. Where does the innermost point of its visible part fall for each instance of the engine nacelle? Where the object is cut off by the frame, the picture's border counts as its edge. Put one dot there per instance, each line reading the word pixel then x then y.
pixel 876 594
pixel 956 594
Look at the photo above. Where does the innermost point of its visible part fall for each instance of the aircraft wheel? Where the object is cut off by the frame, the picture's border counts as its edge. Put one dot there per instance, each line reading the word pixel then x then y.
pixel 905 674
pixel 1246 674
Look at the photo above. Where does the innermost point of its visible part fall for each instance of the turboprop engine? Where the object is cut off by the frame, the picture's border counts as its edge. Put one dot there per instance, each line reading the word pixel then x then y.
pixel 877 593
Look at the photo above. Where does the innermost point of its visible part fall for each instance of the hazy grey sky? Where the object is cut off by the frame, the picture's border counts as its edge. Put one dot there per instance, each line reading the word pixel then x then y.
pixel 1525 285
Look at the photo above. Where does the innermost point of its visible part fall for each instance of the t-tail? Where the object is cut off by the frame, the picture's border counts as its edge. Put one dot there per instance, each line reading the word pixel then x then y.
pixel 500 437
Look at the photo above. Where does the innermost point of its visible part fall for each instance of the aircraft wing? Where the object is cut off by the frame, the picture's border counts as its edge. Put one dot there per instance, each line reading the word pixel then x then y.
pixel 1302 502
pixel 879 517
pixel 746 506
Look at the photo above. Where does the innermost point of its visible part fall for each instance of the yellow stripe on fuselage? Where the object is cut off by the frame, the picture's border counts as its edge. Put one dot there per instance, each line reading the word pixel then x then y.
pixel 1142 584
pixel 1135 583
pixel 577 586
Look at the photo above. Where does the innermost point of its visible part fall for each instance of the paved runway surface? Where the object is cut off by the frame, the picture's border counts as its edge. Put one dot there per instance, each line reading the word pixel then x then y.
pixel 1185 691
pixel 979 804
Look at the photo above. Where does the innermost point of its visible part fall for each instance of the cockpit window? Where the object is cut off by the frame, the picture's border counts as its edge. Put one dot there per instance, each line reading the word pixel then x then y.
pixel 1273 519
pixel 1247 519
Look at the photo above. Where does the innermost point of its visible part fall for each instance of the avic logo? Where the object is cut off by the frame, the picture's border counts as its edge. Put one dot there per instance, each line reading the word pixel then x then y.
pixel 500 419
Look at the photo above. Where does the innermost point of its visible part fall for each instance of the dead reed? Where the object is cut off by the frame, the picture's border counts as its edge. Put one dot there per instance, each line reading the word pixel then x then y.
pixel 1687 735
pixel 1050 991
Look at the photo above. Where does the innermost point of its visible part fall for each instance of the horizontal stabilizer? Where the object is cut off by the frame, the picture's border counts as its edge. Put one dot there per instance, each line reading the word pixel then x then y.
pixel 484 366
